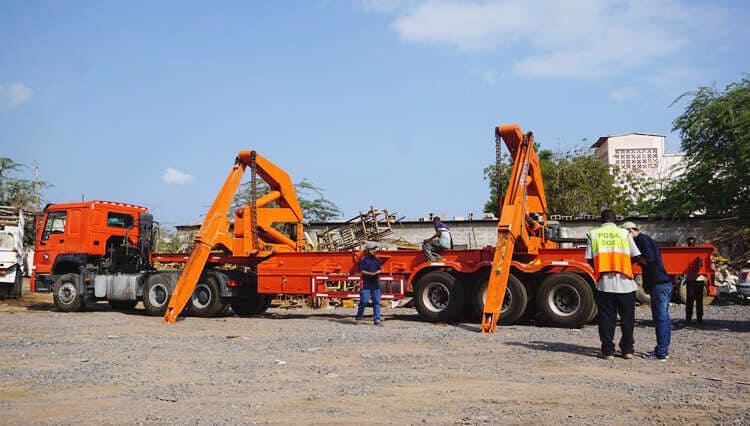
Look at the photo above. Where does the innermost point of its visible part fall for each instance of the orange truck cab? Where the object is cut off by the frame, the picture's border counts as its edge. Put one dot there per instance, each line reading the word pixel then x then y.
pixel 79 240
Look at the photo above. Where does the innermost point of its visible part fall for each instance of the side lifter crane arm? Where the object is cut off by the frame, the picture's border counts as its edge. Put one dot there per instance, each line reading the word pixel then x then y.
pixel 515 229
pixel 245 241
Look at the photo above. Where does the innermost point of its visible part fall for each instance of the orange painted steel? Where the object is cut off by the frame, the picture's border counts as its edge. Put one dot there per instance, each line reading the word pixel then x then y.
pixel 282 268
pixel 86 231
pixel 522 218
pixel 253 237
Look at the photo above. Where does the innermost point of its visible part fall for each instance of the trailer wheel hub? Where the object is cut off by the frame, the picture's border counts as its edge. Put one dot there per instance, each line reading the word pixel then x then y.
pixel 564 300
pixel 436 296
pixel 201 296
pixel 158 295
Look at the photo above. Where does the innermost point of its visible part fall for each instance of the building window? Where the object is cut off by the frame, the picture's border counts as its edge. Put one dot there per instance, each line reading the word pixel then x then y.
pixel 640 158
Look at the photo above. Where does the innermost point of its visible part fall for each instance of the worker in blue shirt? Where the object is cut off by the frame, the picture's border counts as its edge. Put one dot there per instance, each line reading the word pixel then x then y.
pixel 658 283
pixel 369 268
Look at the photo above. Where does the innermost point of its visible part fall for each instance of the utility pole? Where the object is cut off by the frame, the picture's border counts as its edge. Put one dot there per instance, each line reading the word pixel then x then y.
pixel 36 187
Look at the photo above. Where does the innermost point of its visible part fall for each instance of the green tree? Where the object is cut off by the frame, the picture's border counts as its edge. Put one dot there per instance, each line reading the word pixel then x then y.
pixel 14 191
pixel 311 199
pixel 715 133
pixel 575 183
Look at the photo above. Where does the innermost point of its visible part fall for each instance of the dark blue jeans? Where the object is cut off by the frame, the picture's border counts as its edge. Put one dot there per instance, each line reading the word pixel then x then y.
pixel 364 297
pixel 611 304
pixel 661 294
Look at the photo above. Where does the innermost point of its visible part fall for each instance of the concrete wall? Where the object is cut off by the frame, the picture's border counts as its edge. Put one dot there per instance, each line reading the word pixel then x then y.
pixel 481 233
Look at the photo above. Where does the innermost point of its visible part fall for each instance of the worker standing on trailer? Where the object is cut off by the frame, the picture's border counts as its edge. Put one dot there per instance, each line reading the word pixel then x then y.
pixel 369 268
pixel 438 242
pixel 609 250
pixel 657 283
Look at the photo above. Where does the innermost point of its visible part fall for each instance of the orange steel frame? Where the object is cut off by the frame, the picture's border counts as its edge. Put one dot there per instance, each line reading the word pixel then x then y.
pixel 517 231
pixel 282 267
pixel 249 243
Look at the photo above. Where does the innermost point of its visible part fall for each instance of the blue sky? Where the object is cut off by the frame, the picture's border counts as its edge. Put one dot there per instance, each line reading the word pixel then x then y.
pixel 383 103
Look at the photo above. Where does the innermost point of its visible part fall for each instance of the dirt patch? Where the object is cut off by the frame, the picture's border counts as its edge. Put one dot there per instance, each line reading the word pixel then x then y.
pixel 315 366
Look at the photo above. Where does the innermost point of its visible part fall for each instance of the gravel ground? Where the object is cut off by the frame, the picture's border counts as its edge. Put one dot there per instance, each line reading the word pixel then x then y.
pixel 315 366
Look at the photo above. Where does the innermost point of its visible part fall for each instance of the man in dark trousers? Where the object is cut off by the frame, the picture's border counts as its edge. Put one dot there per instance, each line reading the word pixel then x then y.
pixel 369 268
pixel 610 251
pixel 438 242
pixel 694 286
pixel 658 283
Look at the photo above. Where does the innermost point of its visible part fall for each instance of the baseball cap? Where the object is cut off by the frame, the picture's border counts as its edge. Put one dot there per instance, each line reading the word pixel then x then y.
pixel 628 225
pixel 371 246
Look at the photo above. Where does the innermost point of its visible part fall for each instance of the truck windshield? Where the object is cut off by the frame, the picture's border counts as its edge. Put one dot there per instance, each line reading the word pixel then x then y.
pixel 55 224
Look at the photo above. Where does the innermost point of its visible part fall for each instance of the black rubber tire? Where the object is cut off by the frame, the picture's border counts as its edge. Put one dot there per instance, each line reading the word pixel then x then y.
pixel 640 295
pixel 439 297
pixel 514 303
pixel 253 305
pixel 156 294
pixel 206 298
pixel 565 300
pixel 592 315
pixel 122 305
pixel 17 290
pixel 66 294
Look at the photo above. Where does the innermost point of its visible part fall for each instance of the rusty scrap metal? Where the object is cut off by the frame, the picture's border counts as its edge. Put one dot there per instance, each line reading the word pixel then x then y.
pixel 372 225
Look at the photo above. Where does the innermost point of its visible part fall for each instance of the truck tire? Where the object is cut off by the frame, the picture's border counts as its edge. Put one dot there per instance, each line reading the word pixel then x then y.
pixel 66 294
pixel 17 290
pixel 565 300
pixel 156 294
pixel 593 313
pixel 438 297
pixel 206 298
pixel 123 305
pixel 514 303
pixel 253 305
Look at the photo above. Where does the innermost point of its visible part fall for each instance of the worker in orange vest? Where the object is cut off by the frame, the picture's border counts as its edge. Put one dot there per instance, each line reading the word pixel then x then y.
pixel 611 251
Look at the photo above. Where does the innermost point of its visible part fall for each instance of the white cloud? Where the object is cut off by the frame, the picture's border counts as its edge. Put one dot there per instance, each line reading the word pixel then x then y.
pixel 175 177
pixel 14 94
pixel 624 93
pixel 559 38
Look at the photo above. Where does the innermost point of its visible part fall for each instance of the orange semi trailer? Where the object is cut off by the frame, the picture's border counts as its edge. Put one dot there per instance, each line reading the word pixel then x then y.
pixel 245 265
pixel 527 272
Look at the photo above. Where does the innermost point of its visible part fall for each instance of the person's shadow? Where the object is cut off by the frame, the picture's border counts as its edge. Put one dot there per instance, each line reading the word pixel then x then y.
pixel 558 347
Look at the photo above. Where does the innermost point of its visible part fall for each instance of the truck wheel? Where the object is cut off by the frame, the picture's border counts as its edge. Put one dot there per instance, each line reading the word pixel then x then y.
pixel 17 291
pixel 65 293
pixel 565 300
pixel 123 305
pixel 253 305
pixel 514 303
pixel 438 297
pixel 206 298
pixel 156 294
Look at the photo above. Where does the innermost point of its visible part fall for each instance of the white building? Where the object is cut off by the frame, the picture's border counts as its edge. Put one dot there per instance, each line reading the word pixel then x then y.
pixel 638 151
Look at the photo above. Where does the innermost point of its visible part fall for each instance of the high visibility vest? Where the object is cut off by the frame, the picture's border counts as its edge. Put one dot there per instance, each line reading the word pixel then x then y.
pixel 611 250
